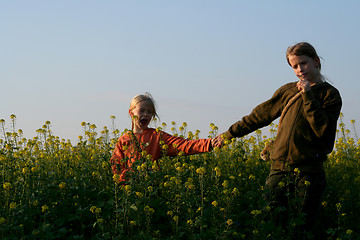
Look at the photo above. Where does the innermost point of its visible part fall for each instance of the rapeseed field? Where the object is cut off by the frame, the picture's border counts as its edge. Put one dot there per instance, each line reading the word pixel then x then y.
pixel 51 188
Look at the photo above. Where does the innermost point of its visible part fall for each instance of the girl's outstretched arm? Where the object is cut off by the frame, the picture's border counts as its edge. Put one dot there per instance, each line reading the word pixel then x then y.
pixel 188 147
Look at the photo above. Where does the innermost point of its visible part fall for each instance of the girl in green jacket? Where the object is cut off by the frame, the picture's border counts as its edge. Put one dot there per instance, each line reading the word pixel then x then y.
pixel 308 111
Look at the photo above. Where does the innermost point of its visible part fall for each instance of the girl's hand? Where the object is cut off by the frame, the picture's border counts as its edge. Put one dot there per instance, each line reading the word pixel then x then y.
pixel 303 85
pixel 217 141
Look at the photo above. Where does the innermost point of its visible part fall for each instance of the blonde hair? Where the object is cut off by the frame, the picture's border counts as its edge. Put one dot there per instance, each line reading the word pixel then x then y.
pixel 143 98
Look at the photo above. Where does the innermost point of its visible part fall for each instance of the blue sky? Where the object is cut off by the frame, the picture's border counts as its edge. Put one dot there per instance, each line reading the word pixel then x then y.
pixel 203 61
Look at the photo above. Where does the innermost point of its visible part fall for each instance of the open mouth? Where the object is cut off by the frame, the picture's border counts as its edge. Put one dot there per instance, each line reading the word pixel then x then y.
pixel 144 121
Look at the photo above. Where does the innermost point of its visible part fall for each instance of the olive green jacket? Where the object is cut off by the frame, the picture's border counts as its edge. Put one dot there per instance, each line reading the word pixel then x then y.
pixel 307 131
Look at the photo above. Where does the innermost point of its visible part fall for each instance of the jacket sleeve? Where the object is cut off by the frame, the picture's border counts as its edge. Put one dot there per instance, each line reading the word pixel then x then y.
pixel 261 116
pixel 118 162
pixel 188 147
pixel 323 117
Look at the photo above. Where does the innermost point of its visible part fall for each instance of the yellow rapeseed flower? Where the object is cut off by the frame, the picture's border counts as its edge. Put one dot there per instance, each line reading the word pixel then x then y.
pixel 127 188
pixel 45 208
pixel 229 222
pixel 62 185
pixel 225 184
pixel 338 206
pixel 201 170
pixel 139 194
pixel 12 205
pixel 218 171
pixel 7 186
pixel 189 184
pixel 215 203
pixel 251 177
pixel 256 212
pixel 155 166
pixel 2 220
pixel 92 209
pixel 143 166
pixel 149 210
pixel 116 177
pixel 235 191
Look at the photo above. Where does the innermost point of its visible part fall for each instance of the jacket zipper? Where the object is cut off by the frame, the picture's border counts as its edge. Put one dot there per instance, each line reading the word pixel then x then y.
pixel 291 133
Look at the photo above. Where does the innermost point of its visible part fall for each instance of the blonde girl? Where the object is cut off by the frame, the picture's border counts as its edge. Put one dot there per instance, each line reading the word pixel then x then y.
pixel 143 139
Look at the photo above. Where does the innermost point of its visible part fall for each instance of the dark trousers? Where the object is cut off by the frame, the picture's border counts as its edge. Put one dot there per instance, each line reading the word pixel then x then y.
pixel 296 194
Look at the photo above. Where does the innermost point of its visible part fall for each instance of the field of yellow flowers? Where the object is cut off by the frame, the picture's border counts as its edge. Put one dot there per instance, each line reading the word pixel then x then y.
pixel 53 189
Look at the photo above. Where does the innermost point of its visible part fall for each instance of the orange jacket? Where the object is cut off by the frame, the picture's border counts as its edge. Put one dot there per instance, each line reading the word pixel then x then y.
pixel 127 148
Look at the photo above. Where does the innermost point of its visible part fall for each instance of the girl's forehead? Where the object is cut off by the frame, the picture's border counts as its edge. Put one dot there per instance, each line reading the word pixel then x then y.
pixel 144 104
pixel 296 58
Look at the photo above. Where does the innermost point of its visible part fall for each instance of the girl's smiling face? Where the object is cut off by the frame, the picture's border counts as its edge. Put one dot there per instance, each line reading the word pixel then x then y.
pixel 141 116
